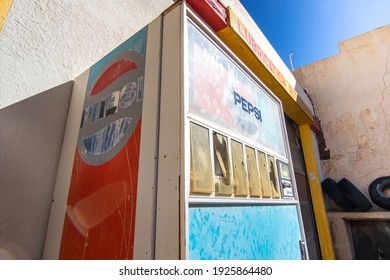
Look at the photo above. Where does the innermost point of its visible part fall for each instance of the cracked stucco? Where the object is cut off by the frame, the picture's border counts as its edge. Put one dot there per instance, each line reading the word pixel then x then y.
pixel 351 94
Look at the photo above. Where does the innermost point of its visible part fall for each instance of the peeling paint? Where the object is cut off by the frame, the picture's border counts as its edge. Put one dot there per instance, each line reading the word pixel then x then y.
pixel 351 94
pixel 244 233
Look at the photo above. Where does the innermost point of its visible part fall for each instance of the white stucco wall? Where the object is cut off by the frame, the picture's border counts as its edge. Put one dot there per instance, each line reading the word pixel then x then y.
pixel 351 93
pixel 45 43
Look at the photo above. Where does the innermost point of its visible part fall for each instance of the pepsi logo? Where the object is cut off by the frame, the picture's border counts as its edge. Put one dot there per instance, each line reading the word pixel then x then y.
pixel 112 108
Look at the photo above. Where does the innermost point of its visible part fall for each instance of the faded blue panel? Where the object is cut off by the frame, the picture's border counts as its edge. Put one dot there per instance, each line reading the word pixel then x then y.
pixel 137 42
pixel 244 232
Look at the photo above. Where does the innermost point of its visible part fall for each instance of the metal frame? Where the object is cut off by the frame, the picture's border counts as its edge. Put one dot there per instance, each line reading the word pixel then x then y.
pixel 198 120
pixel 144 235
pixel 248 199
pixel 169 207
pixel 64 173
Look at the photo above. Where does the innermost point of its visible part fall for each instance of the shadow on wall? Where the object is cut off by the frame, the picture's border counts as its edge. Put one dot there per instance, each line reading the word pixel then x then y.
pixel 31 135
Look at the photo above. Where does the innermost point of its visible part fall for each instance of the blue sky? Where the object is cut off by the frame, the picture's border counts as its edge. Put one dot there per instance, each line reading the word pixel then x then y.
pixel 312 29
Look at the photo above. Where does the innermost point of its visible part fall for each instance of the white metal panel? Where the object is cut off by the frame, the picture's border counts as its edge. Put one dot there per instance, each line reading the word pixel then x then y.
pixel 185 132
pixel 168 212
pixel 61 190
pixel 147 180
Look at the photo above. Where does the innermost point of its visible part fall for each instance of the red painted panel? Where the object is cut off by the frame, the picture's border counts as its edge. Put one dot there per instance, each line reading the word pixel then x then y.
pixel 100 218
pixel 100 212
pixel 212 11
pixel 112 73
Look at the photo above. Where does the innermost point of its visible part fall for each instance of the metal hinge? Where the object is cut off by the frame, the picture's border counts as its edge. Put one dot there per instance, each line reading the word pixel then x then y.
pixel 302 246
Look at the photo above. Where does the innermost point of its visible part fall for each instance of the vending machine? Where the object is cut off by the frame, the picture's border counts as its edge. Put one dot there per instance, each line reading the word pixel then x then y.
pixel 174 149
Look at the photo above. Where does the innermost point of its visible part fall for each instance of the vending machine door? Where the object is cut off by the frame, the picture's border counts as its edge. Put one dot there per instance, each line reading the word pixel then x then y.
pixel 246 207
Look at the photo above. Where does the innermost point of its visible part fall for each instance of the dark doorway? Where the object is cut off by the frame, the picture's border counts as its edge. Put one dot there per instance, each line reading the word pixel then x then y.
pixel 371 239
pixel 303 191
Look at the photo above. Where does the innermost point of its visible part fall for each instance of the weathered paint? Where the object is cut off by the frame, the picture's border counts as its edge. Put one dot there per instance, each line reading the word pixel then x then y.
pixel 5 6
pixel 212 11
pixel 101 206
pixel 223 94
pixel 168 226
pixel 351 93
pixel 324 236
pixel 244 232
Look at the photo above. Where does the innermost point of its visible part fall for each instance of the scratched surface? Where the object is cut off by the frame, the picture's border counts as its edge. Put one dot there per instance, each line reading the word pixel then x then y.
pixel 221 93
pixel 101 206
pixel 244 232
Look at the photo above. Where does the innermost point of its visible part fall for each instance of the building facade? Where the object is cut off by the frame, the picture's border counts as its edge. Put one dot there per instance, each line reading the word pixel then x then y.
pixel 56 42
pixel 350 92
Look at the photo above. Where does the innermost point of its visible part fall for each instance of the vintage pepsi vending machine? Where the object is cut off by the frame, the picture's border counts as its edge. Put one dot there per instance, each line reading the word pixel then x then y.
pixel 174 150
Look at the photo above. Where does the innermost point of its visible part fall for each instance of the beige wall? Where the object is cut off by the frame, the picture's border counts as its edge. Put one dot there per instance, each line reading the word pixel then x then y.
pixel 351 95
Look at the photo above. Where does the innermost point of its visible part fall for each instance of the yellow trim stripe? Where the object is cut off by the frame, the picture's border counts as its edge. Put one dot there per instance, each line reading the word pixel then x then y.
pixel 321 218
pixel 5 6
